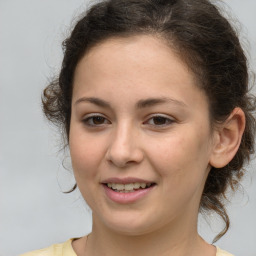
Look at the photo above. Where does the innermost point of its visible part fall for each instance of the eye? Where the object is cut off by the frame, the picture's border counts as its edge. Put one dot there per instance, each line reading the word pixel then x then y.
pixel 95 120
pixel 159 120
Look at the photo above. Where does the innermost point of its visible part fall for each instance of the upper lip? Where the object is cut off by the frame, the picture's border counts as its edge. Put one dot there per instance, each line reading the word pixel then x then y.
pixel 126 180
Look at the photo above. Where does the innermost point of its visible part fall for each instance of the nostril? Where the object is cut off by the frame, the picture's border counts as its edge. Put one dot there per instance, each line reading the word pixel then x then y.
pixel 123 159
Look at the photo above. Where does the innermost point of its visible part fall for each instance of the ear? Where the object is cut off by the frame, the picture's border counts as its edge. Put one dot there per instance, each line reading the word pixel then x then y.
pixel 227 139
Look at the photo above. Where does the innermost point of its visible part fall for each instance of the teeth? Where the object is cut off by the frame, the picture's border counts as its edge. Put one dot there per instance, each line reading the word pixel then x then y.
pixel 125 188
pixel 143 185
pixel 136 185
pixel 120 187
pixel 128 187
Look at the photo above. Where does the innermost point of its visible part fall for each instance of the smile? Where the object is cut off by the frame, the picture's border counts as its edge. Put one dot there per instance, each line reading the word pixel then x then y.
pixel 130 187
pixel 128 190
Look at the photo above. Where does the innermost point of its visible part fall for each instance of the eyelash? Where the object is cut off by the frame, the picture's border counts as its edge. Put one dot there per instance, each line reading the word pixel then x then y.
pixel 87 121
pixel 167 120
pixel 92 118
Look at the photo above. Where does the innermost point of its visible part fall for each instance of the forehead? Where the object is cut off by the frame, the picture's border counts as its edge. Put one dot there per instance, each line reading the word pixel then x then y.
pixel 117 56
pixel 140 65
pixel 130 43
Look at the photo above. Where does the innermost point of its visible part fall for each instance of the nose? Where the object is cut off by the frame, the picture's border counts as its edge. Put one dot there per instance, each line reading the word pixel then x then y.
pixel 124 148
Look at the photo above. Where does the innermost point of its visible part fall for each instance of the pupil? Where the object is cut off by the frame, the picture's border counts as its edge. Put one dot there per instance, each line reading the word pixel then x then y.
pixel 98 120
pixel 159 120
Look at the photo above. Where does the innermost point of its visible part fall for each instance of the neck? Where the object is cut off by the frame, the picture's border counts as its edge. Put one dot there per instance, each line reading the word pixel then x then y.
pixel 177 239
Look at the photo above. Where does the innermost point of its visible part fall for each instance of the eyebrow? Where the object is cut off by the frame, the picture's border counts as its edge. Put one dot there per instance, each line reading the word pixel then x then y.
pixel 96 101
pixel 144 103
pixel 157 101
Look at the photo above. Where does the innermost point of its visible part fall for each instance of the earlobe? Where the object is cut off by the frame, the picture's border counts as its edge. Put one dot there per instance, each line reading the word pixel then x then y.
pixel 227 139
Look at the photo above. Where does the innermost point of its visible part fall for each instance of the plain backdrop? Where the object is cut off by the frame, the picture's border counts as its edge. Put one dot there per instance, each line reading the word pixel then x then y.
pixel 34 212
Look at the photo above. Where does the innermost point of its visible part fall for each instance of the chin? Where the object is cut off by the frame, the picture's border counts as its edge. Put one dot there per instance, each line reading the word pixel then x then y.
pixel 128 230
pixel 128 225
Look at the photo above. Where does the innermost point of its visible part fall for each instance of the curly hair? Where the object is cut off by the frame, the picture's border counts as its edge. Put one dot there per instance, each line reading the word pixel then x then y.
pixel 207 43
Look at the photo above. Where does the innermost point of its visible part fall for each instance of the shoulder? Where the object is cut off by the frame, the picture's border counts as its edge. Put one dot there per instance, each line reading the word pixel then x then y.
pixel 63 249
pixel 223 253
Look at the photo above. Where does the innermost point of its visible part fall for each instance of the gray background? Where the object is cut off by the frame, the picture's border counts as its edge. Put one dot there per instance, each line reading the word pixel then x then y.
pixel 34 212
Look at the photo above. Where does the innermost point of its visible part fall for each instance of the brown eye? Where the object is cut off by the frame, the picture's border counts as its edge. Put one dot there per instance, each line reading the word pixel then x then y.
pixel 98 120
pixel 95 120
pixel 159 120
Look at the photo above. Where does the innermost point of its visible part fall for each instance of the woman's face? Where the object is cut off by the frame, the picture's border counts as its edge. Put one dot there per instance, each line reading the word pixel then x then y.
pixel 140 137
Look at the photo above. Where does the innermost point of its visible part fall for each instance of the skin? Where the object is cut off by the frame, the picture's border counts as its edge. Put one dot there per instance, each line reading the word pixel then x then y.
pixel 175 150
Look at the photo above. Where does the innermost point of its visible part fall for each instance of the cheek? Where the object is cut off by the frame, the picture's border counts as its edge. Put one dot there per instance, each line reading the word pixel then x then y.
pixel 184 154
pixel 182 167
pixel 85 154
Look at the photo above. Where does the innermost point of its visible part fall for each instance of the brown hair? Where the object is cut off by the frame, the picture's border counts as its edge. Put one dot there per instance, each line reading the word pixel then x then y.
pixel 207 43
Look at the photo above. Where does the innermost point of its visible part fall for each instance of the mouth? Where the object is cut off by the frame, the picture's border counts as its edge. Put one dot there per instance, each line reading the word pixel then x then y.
pixel 127 190
pixel 129 187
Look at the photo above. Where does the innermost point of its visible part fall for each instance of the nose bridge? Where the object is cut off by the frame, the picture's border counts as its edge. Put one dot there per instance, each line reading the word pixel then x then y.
pixel 124 148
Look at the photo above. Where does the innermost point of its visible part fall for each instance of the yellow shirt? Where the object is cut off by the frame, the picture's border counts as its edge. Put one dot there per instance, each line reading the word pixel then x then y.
pixel 66 249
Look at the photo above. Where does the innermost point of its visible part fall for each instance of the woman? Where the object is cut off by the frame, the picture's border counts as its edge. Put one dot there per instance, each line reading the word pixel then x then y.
pixel 153 98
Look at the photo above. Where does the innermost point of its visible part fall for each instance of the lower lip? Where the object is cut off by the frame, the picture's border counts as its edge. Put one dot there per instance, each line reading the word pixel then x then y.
pixel 127 198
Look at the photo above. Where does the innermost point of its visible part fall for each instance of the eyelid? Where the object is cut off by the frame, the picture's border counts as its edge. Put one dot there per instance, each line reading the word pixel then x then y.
pixel 87 117
pixel 170 119
pixel 93 114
